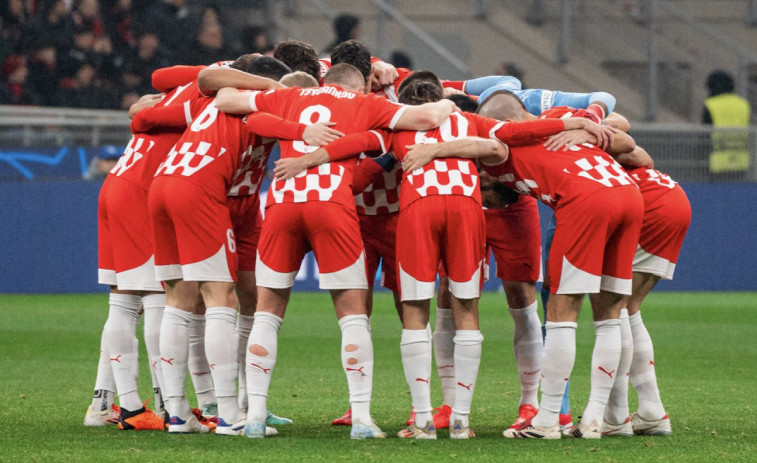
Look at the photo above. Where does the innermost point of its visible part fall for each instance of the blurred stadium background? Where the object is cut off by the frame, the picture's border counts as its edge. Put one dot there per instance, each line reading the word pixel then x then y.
pixel 653 55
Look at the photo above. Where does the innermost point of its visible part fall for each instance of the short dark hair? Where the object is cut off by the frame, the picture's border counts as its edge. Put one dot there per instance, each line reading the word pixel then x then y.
pixel 401 59
pixel 420 75
pixel 720 82
pixel 421 91
pixel 266 66
pixel 464 102
pixel 244 62
pixel 344 74
pixel 299 56
pixel 355 53
pixel 344 24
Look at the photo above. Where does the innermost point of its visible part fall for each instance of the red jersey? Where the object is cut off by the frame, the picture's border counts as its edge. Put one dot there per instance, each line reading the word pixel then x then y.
pixel 146 151
pixel 249 175
pixel 442 176
pixel 651 182
pixel 557 177
pixel 352 112
pixel 212 150
pixel 563 112
pixel 455 176
pixel 381 196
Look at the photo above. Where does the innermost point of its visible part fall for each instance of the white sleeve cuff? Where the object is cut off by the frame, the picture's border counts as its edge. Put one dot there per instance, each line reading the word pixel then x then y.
pixel 397 116
pixel 253 106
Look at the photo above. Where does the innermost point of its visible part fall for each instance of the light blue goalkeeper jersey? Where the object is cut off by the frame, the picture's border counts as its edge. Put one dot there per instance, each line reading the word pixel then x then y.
pixel 537 100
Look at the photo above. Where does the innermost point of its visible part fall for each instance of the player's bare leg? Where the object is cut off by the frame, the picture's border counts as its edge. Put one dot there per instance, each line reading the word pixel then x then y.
pixel 415 346
pixel 468 341
pixel 261 352
pixel 527 345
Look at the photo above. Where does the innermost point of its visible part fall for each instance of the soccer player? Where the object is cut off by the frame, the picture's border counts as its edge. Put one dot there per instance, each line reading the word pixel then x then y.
pixel 513 234
pixel 598 212
pixel 195 242
pixel 451 229
pixel 299 56
pixel 244 205
pixel 316 211
pixel 524 213
pixel 126 263
pixel 667 215
pixel 377 73
pixel 410 164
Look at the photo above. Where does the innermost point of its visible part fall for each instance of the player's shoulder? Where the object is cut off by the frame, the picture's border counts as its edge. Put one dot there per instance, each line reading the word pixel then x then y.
pixel 476 122
pixel 472 117
pixel 558 112
pixel 400 138
pixel 181 94
pixel 221 64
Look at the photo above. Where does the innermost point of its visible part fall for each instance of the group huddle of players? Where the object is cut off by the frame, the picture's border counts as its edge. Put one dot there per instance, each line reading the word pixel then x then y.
pixel 378 165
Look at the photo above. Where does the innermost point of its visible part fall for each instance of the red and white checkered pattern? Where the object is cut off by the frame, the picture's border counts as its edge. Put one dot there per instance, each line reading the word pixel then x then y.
pixel 145 152
pixel 445 177
pixel 555 176
pixel 382 196
pixel 315 184
pixel 602 169
pixel 352 112
pixel 188 159
pixel 251 169
pixel 649 179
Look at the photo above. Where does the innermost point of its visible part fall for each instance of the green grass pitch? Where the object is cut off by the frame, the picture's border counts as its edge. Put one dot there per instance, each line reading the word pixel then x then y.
pixel 705 347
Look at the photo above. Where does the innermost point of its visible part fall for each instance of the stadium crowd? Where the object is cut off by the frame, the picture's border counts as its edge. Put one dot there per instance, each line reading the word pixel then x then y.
pixel 379 165
pixel 100 53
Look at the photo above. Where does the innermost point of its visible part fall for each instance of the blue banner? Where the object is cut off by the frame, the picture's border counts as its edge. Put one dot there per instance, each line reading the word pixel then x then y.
pixel 48 231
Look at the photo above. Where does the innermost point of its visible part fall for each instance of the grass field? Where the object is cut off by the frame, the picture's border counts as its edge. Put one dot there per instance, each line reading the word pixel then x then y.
pixel 706 354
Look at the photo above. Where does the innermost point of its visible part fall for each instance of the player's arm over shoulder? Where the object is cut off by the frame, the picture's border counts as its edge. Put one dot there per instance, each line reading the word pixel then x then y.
pixel 617 121
pixel 638 157
pixel 234 101
pixel 424 117
pixel 489 151
pixel 210 80
pixel 166 79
